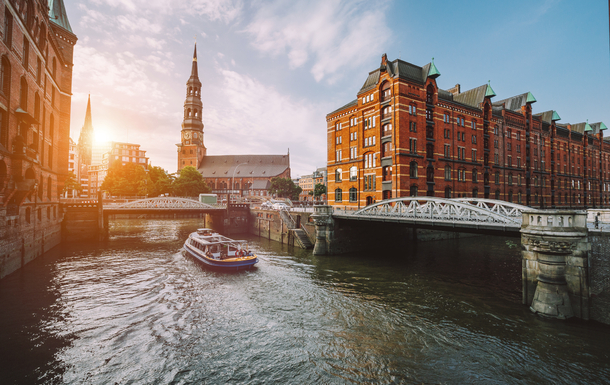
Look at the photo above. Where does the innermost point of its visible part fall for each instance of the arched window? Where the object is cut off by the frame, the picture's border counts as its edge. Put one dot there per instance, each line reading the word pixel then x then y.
pixel 386 91
pixel 5 77
pixel 510 179
pixel 353 174
pixel 475 176
pixel 338 195
pixel 430 94
pixel 429 150
pixel 510 196
pixel 497 178
pixel 475 192
pixel 369 200
pixel 413 169
pixel 447 172
pixel 49 187
pixel 447 192
pixel 353 194
pixel 338 175
pixel 497 194
pixel 37 106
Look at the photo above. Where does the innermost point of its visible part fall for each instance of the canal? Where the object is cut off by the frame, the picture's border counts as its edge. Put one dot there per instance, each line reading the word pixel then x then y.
pixel 134 310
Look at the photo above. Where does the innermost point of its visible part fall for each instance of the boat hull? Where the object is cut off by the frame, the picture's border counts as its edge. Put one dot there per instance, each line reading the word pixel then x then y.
pixel 219 264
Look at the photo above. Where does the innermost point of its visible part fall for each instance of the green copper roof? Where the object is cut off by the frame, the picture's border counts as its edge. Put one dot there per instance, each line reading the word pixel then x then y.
pixel 602 126
pixel 555 116
pixel 58 15
pixel 588 127
pixel 530 98
pixel 489 92
pixel 433 72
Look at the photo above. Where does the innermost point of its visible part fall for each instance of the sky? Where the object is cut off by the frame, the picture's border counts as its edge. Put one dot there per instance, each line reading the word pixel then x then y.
pixel 271 70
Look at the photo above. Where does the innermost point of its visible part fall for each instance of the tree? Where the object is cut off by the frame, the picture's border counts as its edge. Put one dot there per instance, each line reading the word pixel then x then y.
pixel 71 183
pixel 125 180
pixel 158 182
pixel 319 189
pixel 284 188
pixel 190 183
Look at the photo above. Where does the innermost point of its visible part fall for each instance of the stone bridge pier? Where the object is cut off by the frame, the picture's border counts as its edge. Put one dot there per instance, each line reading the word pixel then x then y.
pixel 555 263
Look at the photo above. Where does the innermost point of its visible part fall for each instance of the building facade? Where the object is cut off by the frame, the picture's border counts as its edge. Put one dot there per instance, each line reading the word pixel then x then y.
pixel 231 177
pixel 405 136
pixel 36 53
pixel 117 152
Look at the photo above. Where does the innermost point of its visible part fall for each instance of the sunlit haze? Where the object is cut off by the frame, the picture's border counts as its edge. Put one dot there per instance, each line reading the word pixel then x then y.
pixel 272 70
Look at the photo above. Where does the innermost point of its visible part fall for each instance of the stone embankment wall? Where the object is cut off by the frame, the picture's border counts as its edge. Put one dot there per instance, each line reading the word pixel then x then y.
pixel 19 246
pixel 599 272
pixel 269 224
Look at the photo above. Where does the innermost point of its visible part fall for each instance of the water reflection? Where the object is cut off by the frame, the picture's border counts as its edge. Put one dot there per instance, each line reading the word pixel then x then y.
pixel 134 309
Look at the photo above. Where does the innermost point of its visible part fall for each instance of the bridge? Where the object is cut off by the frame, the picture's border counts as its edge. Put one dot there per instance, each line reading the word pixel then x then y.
pixel 169 205
pixel 476 215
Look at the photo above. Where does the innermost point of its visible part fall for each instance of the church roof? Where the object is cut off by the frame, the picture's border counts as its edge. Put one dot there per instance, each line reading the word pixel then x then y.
pixel 244 166
pixel 58 15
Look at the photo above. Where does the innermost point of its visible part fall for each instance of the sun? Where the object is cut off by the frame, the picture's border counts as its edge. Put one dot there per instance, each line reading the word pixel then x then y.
pixel 101 135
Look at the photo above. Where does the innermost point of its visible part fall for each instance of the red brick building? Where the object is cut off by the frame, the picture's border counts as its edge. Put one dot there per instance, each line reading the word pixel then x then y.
pixel 230 176
pixel 404 136
pixel 36 49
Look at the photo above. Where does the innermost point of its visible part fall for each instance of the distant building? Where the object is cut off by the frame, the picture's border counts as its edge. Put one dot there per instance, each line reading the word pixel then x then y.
pixel 306 185
pixel 118 152
pixel 229 176
pixel 36 54
pixel 72 168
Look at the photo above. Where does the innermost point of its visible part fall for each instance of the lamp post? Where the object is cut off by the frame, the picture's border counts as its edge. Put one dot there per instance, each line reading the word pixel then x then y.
pixel 232 183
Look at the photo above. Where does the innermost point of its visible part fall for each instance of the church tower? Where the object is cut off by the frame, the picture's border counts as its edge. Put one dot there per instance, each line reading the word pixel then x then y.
pixel 191 149
pixel 85 140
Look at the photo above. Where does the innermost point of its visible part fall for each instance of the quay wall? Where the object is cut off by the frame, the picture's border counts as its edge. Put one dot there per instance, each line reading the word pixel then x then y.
pixel 269 224
pixel 599 272
pixel 18 247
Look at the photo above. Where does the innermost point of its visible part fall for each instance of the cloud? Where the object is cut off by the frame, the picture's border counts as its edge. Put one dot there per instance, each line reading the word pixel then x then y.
pixel 332 34
pixel 249 117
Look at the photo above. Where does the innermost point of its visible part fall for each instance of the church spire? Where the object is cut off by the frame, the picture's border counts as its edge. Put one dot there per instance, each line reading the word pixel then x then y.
pixel 194 73
pixel 85 140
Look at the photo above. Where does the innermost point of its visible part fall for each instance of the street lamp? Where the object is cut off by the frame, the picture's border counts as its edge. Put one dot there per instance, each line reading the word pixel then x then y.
pixel 233 184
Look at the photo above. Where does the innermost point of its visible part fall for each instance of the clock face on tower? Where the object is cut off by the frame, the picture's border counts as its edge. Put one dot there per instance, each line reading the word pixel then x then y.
pixel 187 135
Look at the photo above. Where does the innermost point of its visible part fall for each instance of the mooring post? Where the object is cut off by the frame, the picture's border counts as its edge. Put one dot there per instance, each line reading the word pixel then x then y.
pixel 555 263
pixel 323 218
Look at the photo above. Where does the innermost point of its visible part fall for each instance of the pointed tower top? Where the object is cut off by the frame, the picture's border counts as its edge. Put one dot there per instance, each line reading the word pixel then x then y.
pixel 433 71
pixel 530 98
pixel 489 92
pixel 194 73
pixel 555 116
pixel 602 126
pixel 58 15
pixel 588 126
pixel 88 122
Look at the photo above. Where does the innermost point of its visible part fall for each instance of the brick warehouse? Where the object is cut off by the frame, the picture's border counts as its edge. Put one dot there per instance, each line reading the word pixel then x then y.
pixel 403 136
pixel 36 52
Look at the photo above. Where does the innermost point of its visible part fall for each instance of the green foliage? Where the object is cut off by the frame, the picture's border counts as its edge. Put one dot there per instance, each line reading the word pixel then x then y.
pixel 189 183
pixel 71 183
pixel 284 188
pixel 158 182
pixel 319 189
pixel 127 180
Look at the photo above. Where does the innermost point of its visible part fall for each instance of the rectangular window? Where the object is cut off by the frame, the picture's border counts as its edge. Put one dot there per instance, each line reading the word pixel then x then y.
pixel 474 155
pixel 412 127
pixel 413 146
pixel 8 28
pixel 338 155
pixel 26 52
pixel 446 118
pixel 447 151
pixel 510 161
pixel 429 115
pixel 496 159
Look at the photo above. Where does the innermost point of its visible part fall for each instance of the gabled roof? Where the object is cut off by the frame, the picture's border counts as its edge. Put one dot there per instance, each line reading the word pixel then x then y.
pixel 353 103
pixel 473 97
pixel 58 15
pixel 516 102
pixel 401 69
pixel 578 127
pixel 549 116
pixel 599 126
pixel 244 166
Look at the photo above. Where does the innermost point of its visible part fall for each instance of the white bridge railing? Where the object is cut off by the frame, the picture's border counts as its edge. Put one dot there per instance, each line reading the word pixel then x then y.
pixel 468 211
pixel 164 203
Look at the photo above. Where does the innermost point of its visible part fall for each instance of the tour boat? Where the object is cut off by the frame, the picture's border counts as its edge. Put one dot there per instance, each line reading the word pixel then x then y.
pixel 218 251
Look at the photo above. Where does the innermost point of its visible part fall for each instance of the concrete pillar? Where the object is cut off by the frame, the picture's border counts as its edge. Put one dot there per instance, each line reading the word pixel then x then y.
pixel 323 218
pixel 555 263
